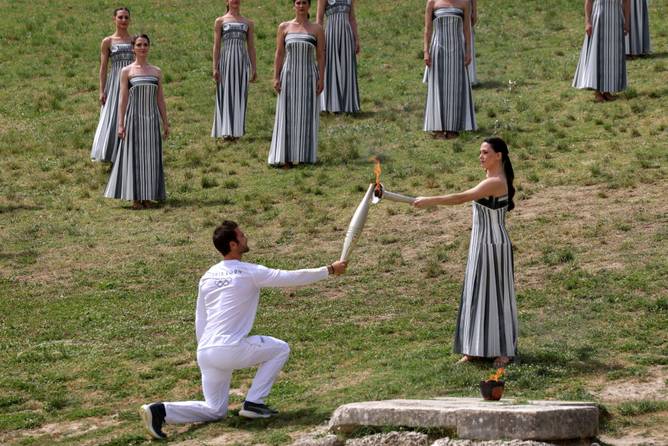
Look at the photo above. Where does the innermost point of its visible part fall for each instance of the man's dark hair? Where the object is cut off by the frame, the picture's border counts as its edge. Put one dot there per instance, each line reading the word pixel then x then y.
pixel 223 235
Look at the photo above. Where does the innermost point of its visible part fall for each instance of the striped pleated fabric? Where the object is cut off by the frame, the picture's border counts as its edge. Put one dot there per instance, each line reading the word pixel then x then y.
pixel 295 136
pixel 229 118
pixel 341 93
pixel 449 105
pixel 602 64
pixel 473 68
pixel 637 40
pixel 138 173
pixel 120 55
pixel 487 319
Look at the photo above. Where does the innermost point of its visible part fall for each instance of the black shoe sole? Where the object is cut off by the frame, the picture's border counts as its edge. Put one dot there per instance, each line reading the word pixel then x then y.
pixel 147 418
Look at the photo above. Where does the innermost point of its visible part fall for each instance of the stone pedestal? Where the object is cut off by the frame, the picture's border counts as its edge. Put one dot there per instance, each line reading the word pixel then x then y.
pixel 476 419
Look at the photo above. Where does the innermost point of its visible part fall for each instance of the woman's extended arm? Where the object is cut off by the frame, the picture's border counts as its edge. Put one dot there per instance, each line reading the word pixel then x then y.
pixel 487 187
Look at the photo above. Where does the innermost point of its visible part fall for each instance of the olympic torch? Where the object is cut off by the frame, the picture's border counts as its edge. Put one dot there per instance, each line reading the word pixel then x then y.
pixel 357 223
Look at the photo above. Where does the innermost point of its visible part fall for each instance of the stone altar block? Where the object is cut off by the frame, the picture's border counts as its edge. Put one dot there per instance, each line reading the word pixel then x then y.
pixel 476 419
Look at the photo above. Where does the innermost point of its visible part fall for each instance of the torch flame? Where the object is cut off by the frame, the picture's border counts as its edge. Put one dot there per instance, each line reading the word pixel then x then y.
pixel 376 171
pixel 497 375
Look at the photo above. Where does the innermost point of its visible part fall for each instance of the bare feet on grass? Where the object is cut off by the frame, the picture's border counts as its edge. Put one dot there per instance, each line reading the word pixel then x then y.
pixel 466 358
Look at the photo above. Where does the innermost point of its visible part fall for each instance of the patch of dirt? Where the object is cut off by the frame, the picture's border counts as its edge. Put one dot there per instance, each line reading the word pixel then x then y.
pixel 64 429
pixel 226 439
pixel 638 438
pixel 653 387
pixel 607 229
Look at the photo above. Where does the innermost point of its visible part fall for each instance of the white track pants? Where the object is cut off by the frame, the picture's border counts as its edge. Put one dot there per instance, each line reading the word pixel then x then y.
pixel 216 365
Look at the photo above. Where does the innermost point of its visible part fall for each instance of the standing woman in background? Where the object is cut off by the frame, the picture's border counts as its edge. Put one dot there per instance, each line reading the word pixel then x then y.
pixel 473 68
pixel 447 52
pixel 233 68
pixel 298 66
pixel 637 40
pixel 341 93
pixel 137 174
pixel 118 49
pixel 487 318
pixel 602 64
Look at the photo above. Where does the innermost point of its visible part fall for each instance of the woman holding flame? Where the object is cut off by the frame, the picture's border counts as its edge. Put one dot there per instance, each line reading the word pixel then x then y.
pixel 487 319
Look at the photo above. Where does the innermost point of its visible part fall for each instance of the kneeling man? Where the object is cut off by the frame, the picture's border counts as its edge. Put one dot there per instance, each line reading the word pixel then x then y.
pixel 227 301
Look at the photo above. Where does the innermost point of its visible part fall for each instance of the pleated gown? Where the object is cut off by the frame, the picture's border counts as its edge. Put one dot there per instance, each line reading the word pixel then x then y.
pixel 295 136
pixel 138 173
pixel 449 105
pixel 341 93
pixel 602 64
pixel 229 119
pixel 487 319
pixel 637 40
pixel 120 55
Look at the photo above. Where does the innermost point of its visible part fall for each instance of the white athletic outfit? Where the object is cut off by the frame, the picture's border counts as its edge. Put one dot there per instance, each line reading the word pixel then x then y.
pixel 227 301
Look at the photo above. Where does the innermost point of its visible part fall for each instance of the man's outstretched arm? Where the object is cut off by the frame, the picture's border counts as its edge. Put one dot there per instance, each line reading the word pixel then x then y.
pixel 277 278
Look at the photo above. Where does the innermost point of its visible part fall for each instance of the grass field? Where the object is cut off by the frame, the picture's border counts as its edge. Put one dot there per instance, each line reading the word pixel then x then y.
pixel 97 301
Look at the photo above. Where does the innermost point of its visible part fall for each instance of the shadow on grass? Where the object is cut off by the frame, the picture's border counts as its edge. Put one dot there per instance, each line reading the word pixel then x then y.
pixel 661 55
pixel 302 417
pixel 196 202
pixel 5 208
pixel 362 115
pixel 491 84
pixel 578 359
pixel 266 138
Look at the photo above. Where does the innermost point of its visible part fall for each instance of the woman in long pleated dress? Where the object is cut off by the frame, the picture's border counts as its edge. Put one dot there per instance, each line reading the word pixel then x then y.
pixel 298 64
pixel 138 173
pixel 487 318
pixel 233 68
pixel 637 40
pixel 449 107
pixel 473 67
pixel 602 64
pixel 116 49
pixel 341 94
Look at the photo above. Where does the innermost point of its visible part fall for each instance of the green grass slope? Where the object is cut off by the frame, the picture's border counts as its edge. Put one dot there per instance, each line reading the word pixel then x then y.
pixel 97 301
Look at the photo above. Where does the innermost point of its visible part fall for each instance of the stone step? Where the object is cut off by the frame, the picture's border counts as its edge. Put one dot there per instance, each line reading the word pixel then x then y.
pixel 476 419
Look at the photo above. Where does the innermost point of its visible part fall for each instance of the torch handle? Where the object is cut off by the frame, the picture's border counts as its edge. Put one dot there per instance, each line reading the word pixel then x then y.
pixel 356 224
pixel 392 196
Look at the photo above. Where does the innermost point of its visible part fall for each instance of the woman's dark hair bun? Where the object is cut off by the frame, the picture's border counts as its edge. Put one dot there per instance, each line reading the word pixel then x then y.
pixel 500 146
